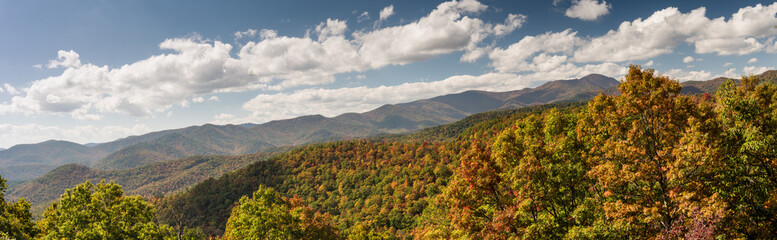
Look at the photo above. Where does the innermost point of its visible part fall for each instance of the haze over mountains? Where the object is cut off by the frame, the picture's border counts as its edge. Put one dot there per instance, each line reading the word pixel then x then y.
pixel 29 161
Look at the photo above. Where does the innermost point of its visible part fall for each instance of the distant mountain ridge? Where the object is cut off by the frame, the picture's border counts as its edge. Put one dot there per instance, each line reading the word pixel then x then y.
pixel 24 162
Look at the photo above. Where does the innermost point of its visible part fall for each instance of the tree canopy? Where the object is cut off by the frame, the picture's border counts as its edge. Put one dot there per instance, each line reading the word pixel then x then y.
pixel 100 212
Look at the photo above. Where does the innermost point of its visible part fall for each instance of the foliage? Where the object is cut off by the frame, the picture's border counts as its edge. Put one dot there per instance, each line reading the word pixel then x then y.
pixel 161 178
pixel 267 215
pixel 646 163
pixel 746 154
pixel 100 212
pixel 15 218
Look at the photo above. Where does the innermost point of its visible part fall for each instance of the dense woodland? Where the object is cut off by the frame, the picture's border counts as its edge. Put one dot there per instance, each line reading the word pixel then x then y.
pixel 645 163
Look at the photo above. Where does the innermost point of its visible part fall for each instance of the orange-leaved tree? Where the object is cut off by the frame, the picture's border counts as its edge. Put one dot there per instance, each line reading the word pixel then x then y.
pixel 634 143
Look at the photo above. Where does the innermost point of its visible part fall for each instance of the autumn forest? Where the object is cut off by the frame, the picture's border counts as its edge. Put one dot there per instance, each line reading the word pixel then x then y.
pixel 644 162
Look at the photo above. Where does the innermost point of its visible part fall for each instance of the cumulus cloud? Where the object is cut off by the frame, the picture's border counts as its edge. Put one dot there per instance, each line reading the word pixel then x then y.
pixel 649 63
pixel 10 89
pixel 521 56
pixel 196 67
pixel 752 60
pixel 444 30
pixel 386 12
pixel 682 75
pixel 749 30
pixel 743 33
pixel 65 59
pixel 587 9
pixel 246 33
pixel 198 99
pixel 213 98
pixel 512 22
pixel 756 70
pixel 34 133
pixel 332 102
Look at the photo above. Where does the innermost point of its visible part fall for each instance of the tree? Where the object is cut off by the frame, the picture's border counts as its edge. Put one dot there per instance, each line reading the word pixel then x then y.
pixel 747 176
pixel 529 185
pixel 15 217
pixel 267 215
pixel 633 143
pixel 178 214
pixel 100 212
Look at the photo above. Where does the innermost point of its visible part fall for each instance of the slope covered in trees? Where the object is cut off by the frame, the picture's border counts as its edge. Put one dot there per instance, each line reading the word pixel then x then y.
pixel 159 178
pixel 648 163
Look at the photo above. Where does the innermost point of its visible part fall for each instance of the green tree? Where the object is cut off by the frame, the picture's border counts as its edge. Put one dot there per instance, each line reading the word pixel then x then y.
pixel 747 153
pixel 267 215
pixel 15 217
pixel 100 212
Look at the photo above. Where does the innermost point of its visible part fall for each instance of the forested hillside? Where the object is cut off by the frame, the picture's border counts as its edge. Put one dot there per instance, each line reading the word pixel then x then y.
pixel 647 163
pixel 161 178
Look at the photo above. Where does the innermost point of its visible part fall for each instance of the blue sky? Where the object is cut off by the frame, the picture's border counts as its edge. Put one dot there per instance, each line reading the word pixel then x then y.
pixel 94 71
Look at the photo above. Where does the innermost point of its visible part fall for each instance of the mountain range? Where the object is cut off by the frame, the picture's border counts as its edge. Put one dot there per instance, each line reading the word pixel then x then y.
pixel 29 161
pixel 158 163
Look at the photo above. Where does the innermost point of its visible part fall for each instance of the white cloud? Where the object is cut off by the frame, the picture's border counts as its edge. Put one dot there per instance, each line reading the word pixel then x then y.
pixel 198 99
pixel 727 64
pixel 268 33
pixel 213 98
pixel 587 9
pixel 34 133
pixel 224 116
pixel 729 46
pixel 649 63
pixel 515 57
pixel 332 102
pixel 331 28
pixel 740 34
pixel 65 59
pixel 756 70
pixel 196 67
pixel 363 17
pixel 245 34
pixel 11 90
pixel 731 73
pixel 444 30
pixel 688 59
pixel 361 76
pixel 386 12
pixel 682 75
pixel 512 22
pixel 752 60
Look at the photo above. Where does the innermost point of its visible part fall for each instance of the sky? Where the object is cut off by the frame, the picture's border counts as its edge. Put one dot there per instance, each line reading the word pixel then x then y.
pixel 98 70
